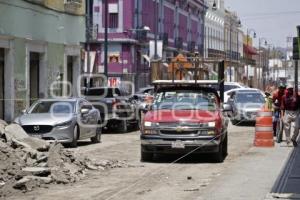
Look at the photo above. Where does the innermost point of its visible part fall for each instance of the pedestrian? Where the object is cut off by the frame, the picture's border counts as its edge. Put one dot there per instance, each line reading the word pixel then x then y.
pixel 277 100
pixel 290 113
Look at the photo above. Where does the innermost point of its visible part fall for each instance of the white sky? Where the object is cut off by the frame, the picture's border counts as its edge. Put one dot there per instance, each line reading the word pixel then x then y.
pixel 271 19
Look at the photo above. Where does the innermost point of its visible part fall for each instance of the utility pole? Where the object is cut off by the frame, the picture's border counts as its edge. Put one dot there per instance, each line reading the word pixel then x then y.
pixel 156 29
pixel 88 37
pixel 106 38
pixel 230 49
pixel 296 56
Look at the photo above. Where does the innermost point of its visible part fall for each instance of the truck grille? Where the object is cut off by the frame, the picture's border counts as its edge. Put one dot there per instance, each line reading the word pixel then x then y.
pixel 183 124
pixel 174 132
pixel 37 129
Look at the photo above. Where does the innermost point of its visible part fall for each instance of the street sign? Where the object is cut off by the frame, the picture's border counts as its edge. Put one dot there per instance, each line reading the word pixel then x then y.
pixel 296 48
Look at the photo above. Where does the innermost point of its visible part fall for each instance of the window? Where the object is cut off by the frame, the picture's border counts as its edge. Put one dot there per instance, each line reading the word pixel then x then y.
pixel 113 20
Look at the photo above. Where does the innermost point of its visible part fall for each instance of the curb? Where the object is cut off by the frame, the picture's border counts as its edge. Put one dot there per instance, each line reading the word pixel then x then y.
pixel 273 196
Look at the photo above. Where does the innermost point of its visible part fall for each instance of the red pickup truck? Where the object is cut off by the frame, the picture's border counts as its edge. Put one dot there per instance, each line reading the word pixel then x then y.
pixel 184 118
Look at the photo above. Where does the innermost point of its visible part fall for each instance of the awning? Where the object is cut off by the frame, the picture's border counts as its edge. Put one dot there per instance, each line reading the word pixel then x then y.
pixel 250 50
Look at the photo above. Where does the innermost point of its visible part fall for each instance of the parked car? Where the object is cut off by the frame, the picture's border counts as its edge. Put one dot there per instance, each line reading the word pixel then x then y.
pixel 185 117
pixel 117 107
pixel 245 104
pixel 63 120
pixel 231 86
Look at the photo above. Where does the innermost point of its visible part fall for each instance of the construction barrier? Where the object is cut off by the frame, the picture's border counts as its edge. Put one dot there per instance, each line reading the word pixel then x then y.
pixel 264 129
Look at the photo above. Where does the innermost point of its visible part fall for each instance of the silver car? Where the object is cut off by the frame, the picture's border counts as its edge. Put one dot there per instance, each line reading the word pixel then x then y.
pixel 245 104
pixel 63 120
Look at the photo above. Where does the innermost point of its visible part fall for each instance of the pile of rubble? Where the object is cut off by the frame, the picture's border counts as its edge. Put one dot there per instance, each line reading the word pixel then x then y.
pixel 27 162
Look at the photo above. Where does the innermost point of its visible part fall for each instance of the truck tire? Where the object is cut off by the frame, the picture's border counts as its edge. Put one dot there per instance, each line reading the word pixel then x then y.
pixel 219 156
pixel 225 146
pixel 123 126
pixel 146 157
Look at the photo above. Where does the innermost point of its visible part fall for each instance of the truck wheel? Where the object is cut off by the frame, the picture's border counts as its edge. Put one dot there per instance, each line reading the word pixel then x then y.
pixel 123 126
pixel 146 157
pixel 73 144
pixel 225 146
pixel 97 138
pixel 219 156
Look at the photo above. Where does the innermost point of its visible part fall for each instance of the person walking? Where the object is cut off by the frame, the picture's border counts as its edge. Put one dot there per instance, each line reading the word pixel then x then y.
pixel 277 100
pixel 290 113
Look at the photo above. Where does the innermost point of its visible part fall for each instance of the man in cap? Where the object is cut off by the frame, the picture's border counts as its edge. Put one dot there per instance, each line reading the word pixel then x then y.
pixel 290 113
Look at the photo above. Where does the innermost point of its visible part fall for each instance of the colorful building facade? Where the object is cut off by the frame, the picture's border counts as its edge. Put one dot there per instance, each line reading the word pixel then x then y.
pixel 180 29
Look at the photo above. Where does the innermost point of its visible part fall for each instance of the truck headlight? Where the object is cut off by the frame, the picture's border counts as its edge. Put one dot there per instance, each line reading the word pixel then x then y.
pixel 211 124
pixel 150 132
pixel 147 124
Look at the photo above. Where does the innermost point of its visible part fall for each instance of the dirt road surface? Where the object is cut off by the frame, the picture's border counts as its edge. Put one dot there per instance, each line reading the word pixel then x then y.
pixel 189 178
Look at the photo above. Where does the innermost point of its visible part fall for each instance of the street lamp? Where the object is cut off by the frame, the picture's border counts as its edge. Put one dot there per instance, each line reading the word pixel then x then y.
pixel 254 36
pixel 260 40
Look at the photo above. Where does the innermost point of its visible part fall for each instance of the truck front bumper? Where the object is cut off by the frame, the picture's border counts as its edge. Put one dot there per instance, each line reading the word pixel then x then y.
pixel 188 145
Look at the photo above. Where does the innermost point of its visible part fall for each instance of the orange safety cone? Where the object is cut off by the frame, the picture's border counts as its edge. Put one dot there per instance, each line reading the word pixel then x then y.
pixel 264 129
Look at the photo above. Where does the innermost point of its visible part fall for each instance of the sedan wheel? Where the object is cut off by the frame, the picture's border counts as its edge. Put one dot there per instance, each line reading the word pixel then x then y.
pixel 73 144
pixel 97 138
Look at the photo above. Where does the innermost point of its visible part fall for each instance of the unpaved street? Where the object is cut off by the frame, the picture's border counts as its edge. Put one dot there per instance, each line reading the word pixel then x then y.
pixel 190 178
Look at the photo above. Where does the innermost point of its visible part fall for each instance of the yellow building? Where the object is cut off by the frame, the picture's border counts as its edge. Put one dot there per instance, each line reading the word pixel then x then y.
pixel 76 7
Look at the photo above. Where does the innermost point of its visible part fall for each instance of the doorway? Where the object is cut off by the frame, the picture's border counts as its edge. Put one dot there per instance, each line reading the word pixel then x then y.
pixel 70 78
pixel 2 82
pixel 34 72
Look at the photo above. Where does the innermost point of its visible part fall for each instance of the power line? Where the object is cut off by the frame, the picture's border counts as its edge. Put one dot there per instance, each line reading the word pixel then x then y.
pixel 268 15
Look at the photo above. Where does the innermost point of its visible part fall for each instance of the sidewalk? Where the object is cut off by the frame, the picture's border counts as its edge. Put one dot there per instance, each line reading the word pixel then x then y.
pixel 252 176
pixel 287 185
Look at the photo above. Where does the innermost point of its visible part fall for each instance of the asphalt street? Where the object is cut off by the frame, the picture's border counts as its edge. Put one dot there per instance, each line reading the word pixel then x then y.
pixel 247 172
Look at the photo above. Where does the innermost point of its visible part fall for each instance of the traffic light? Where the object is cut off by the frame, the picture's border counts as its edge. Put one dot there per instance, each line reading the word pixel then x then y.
pixel 296 48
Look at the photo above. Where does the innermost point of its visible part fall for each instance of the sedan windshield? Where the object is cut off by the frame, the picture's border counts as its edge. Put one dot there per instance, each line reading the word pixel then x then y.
pixel 185 100
pixel 249 98
pixel 63 107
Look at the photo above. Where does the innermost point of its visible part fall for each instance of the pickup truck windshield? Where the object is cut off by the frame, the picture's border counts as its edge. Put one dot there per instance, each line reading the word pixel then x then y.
pixel 185 100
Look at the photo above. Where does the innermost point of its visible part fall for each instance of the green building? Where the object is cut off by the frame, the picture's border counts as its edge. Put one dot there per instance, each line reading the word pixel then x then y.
pixel 40 47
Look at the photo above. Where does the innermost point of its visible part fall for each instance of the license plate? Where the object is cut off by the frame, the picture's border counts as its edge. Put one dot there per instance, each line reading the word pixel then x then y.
pixel 178 145
pixel 36 136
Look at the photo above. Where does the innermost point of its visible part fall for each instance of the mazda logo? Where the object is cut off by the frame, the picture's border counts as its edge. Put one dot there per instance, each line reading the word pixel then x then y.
pixel 36 128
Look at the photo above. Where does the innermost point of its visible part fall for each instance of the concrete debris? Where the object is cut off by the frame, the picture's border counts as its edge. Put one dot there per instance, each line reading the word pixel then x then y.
pixel 2 122
pixel 14 131
pixel 28 163
pixel 191 190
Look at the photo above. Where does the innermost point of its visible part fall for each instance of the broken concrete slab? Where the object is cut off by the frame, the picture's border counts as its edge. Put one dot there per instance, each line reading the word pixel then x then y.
pixel 29 182
pixel 36 143
pixel 37 171
pixel 54 156
pixel 14 131
pixel 2 122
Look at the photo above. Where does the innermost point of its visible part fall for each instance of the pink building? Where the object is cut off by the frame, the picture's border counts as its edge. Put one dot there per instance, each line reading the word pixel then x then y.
pixel 180 27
